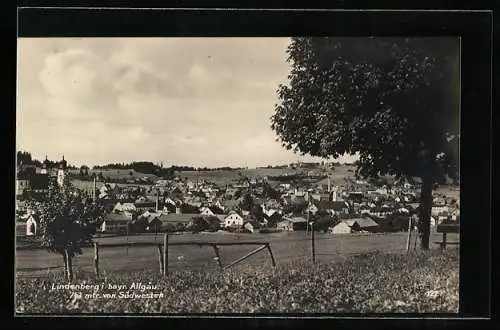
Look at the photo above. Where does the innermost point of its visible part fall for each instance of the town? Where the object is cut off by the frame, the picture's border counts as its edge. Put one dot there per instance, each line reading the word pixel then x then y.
pixel 319 196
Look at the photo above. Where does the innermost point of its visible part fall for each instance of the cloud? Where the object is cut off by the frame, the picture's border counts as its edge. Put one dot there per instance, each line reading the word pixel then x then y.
pixel 203 101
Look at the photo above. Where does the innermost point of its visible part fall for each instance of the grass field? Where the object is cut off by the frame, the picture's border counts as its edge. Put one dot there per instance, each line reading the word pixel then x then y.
pixel 89 185
pixel 117 174
pixel 418 282
pixel 286 248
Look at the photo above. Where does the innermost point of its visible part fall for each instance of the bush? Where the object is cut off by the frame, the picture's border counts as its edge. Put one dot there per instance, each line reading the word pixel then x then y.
pixel 417 282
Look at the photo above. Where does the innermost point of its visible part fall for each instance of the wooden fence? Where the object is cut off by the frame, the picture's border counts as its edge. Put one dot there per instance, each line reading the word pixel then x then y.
pixel 164 246
pixel 163 251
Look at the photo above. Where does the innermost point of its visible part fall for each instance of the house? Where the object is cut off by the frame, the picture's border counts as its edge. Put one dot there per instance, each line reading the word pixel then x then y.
pixel 331 207
pixel 356 196
pixel 233 219
pixel 20 206
pixel 141 199
pixel 354 225
pixel 219 205
pixel 437 210
pixel 320 197
pixel 21 228
pixel 271 204
pixel 230 193
pixel 21 186
pixel 115 223
pixel 177 218
pixel 270 212
pixel 312 208
pixel 31 225
pixel 207 211
pixel 161 182
pixel 154 224
pixel 170 201
pixel 109 189
pixel 438 201
pixel 122 207
pixel 403 210
pixel 248 227
pixel 292 224
pixel 146 206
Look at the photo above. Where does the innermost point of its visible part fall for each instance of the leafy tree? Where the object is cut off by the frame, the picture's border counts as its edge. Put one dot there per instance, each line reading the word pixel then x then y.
pixel 24 157
pixel 271 193
pixel 68 221
pixel 197 224
pixel 394 102
pixel 237 194
pixel 257 212
pixel 213 223
pixel 247 202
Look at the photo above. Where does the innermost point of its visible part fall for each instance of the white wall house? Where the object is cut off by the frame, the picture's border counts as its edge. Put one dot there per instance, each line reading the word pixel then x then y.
pixel 206 211
pixel 122 207
pixel 31 226
pixel 340 228
pixel 233 220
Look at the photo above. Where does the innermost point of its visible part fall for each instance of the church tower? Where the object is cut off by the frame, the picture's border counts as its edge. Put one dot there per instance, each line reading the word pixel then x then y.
pixel 45 166
pixel 61 172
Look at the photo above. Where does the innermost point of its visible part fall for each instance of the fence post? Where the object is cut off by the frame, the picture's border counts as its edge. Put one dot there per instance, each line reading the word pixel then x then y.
pixel 271 254
pixel 217 254
pixel 443 246
pixel 313 243
pixel 160 258
pixel 408 238
pixel 165 254
pixel 127 239
pixel 96 258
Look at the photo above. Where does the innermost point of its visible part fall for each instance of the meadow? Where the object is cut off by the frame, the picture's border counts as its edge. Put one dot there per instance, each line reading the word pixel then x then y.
pixel 89 185
pixel 286 247
pixel 418 282
pixel 117 173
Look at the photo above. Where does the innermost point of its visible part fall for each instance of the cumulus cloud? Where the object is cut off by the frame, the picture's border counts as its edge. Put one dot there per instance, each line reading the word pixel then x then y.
pixel 189 101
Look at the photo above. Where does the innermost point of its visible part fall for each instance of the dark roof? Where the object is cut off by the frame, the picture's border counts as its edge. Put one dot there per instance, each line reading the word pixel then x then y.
pixel 116 217
pixel 145 204
pixel 174 217
pixel 361 222
pixel 330 205
pixel 294 219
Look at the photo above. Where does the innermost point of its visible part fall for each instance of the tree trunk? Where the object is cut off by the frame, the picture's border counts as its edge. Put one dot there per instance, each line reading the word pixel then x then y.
pixel 425 210
pixel 69 266
pixel 65 263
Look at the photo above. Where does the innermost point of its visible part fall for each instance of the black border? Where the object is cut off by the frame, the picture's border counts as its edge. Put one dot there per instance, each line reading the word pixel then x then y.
pixel 475 29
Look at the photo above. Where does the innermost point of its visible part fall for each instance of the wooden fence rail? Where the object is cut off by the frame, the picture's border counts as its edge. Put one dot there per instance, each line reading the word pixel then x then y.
pixel 163 251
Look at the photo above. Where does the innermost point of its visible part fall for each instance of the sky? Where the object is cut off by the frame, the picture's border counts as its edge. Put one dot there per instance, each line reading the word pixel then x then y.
pixel 203 102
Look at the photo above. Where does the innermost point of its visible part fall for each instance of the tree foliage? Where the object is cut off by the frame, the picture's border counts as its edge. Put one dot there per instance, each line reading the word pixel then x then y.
pixel 394 102
pixel 67 220
pixel 247 202
pixel 390 108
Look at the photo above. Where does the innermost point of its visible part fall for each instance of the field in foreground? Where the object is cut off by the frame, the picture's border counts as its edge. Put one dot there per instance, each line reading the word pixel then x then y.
pixel 418 282
pixel 286 247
